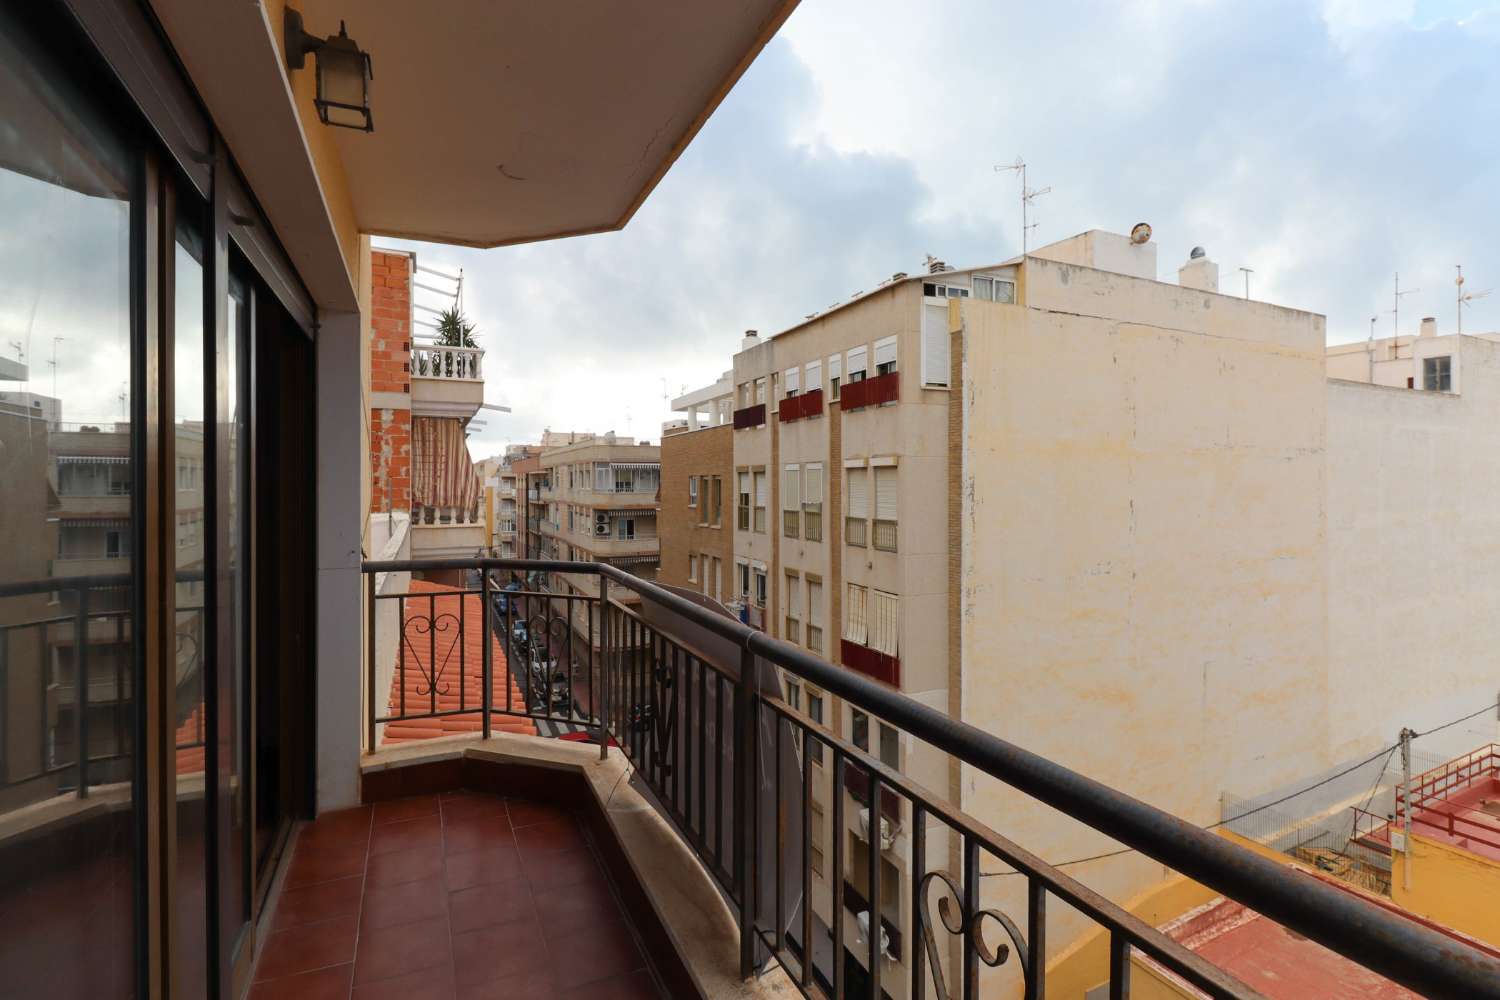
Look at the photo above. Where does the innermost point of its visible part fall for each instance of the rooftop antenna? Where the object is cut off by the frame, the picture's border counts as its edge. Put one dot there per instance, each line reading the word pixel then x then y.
pixel 1247 271
pixel 1464 298
pixel 1028 195
pixel 53 363
pixel 1396 306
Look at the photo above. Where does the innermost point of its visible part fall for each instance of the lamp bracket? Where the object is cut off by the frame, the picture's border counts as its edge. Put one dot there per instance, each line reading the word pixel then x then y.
pixel 296 39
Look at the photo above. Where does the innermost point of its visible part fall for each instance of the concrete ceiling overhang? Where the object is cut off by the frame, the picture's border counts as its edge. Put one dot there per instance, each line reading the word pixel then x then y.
pixel 507 121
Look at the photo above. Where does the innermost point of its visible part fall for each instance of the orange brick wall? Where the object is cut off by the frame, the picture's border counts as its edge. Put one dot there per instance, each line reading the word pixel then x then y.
pixel 390 372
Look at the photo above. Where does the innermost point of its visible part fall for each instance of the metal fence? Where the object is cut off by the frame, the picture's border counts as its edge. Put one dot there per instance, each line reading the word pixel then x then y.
pixel 692 700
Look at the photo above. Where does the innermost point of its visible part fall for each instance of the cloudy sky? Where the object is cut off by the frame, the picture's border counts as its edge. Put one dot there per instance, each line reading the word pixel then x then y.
pixel 1327 145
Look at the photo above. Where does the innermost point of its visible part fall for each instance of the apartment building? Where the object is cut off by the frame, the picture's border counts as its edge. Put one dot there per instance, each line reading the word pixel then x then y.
pixel 503 498
pixel 422 396
pixel 696 515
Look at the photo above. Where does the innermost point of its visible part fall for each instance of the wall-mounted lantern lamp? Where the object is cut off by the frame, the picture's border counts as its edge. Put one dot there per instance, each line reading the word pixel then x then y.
pixel 344 73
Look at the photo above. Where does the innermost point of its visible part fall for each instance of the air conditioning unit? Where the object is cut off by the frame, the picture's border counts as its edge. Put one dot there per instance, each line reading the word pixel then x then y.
pixel 601 518
pixel 888 830
pixel 601 529
pixel 862 920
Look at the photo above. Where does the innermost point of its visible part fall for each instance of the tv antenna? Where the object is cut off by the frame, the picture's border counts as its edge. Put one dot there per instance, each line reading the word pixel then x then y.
pixel 1464 298
pixel 1028 196
pixel 1396 304
pixel 53 363
pixel 1247 271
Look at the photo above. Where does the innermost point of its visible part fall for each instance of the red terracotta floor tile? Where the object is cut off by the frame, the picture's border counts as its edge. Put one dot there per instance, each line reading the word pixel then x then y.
pixel 344 828
pixel 555 835
pixel 476 833
pixel 499 951
pixel 556 870
pixel 435 983
pixel 605 952
pixel 487 905
pixel 534 984
pixel 406 835
pixel 405 903
pixel 324 864
pixel 634 986
pixel 486 867
pixel 524 812
pixel 577 907
pixel 397 810
pixel 405 866
pixel 313 946
pixel 322 901
pixel 476 804
pixel 396 951
pixel 323 984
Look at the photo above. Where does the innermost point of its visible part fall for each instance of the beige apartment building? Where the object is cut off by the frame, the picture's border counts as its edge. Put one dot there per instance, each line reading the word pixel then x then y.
pixel 1151 520
pixel 696 515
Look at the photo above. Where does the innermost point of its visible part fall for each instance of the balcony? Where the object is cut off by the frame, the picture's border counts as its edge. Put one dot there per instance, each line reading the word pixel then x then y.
pixel 807 404
pixel 750 416
pixel 871 391
pixel 715 858
pixel 446 381
pixel 439 532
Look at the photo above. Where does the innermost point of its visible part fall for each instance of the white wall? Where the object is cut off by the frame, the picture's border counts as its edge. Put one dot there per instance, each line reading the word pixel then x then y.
pixel 1414 558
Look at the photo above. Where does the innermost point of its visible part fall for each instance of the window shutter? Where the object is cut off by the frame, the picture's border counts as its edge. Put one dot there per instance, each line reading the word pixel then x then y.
pixel 745 484
pixel 604 480
pixel 836 366
pixel 791 380
pixel 857 360
pixel 859 501
pixel 790 493
pixel 885 352
pixel 885 493
pixel 935 355
pixel 856 629
pixel 792 596
pixel 814 603
pixel 814 373
pixel 812 485
pixel 761 491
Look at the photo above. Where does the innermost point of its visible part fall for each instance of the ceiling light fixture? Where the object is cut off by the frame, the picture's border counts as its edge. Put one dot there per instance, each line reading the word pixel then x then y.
pixel 344 73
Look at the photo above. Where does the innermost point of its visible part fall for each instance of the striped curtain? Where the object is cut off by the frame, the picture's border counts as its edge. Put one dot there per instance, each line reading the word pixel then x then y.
pixel 442 472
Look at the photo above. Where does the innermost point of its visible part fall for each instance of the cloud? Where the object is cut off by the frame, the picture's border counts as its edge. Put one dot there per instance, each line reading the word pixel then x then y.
pixel 1325 145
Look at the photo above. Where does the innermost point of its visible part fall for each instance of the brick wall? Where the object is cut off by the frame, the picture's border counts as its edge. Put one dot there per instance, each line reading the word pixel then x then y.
pixel 705 452
pixel 390 372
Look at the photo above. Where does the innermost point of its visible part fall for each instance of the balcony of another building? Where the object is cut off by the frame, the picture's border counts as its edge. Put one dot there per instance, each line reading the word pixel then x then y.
pixel 446 381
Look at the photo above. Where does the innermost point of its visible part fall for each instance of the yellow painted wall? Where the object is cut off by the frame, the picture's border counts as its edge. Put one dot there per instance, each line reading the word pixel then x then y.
pixel 1454 887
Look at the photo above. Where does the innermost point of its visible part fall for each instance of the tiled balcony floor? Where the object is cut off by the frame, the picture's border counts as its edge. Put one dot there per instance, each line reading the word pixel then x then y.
pixel 464 895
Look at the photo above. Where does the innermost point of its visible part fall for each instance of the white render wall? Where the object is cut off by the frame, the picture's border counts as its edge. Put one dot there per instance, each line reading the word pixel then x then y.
pixel 1414 558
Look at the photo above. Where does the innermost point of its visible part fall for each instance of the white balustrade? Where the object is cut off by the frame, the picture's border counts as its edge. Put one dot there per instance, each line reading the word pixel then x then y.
pixel 457 363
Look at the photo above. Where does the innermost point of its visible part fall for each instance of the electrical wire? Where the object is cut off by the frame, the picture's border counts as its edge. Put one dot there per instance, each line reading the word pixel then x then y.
pixel 1387 752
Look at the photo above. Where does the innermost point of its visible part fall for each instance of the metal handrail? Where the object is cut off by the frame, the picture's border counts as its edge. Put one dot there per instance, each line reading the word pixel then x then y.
pixel 1401 950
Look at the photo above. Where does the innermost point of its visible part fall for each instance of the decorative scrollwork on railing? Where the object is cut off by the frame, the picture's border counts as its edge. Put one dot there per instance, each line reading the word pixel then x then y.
pixel 438 625
pixel 546 639
pixel 654 718
pixel 968 925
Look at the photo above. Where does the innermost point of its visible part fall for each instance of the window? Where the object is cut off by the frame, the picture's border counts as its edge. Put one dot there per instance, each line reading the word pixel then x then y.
pixel 815 615
pixel 692 491
pixel 932 290
pixel 791 593
pixel 815 713
pixel 625 528
pixel 885 508
pixel 857 507
pixel 936 355
pixel 1437 374
pixel 857 364
pixel 835 373
pixel 856 614
pixel 745 392
pixel 692 568
pixel 760 586
pixel 112 545
pixel 890 747
pixel 718 581
pixel 812 502
pixel 791 500
pixel 743 508
pixel 760 390
pixel 812 374
pixel 884 622
pixel 716 496
pixel 762 497
pixel 993 289
pixel 604 479
pixel 791 381
pixel 984 287
pixel 815 848
pixel 793 692
pixel 744 569
pixel 885 356
pixel 859 729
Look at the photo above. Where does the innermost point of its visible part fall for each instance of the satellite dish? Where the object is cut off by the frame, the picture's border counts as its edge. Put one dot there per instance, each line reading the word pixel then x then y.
pixel 1140 233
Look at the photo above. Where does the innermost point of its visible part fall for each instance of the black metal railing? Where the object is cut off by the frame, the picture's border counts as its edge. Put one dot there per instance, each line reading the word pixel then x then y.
pixel 691 697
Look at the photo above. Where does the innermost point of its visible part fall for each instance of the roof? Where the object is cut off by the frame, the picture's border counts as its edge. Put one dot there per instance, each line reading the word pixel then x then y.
pixel 504 688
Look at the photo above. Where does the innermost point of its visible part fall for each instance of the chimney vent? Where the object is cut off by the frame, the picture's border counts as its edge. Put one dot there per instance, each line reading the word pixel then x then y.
pixel 935 266
pixel 1199 272
pixel 751 339
pixel 1429 326
pixel 898 276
